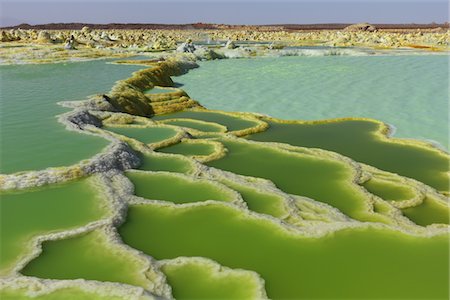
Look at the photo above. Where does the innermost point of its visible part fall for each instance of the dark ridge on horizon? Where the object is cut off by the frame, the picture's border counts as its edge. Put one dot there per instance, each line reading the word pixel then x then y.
pixel 324 26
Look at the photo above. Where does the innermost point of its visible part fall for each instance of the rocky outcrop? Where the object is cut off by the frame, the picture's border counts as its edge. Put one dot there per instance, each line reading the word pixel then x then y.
pixel 70 43
pixel 5 37
pixel 128 95
pixel 186 47
pixel 203 53
pixel 86 30
pixel 44 37
pixel 230 45
pixel 361 27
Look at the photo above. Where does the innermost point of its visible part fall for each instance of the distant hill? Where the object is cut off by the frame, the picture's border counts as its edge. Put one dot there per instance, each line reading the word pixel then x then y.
pixel 77 26
pixel 336 26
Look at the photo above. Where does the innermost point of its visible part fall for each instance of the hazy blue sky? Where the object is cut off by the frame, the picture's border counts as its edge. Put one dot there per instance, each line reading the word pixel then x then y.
pixel 14 12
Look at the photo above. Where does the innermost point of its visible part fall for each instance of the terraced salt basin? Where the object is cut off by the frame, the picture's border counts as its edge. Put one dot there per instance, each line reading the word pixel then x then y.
pixel 232 123
pixel 428 212
pixel 168 163
pixel 296 266
pixel 146 135
pixel 402 90
pixel 41 211
pixel 33 141
pixel 195 124
pixel 176 188
pixel 91 256
pixel 197 279
pixel 326 181
pixel 358 140
pixel 388 190
pixel 189 149
pixel 261 202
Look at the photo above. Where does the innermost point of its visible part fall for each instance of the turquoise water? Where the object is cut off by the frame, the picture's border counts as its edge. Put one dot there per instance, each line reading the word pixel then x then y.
pixel 409 92
pixel 31 137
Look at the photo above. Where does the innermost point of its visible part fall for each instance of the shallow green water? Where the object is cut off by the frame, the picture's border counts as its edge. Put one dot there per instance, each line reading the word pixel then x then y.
pixel 192 280
pixel 206 127
pixel 189 149
pixel 350 264
pixel 261 202
pixel 163 163
pixel 390 191
pixel 356 140
pixel 429 212
pixel 410 92
pixel 86 256
pixel 145 135
pixel 31 137
pixel 25 214
pixel 163 186
pixel 232 123
pixel 321 180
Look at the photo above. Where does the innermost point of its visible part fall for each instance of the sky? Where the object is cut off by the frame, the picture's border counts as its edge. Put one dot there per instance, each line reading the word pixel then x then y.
pixel 14 12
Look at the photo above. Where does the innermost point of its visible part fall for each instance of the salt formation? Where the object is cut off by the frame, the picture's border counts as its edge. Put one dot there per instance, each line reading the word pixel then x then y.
pixel 44 37
pixel 361 27
pixel 230 45
pixel 93 43
pixel 187 47
pixel 70 43
pixel 128 95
